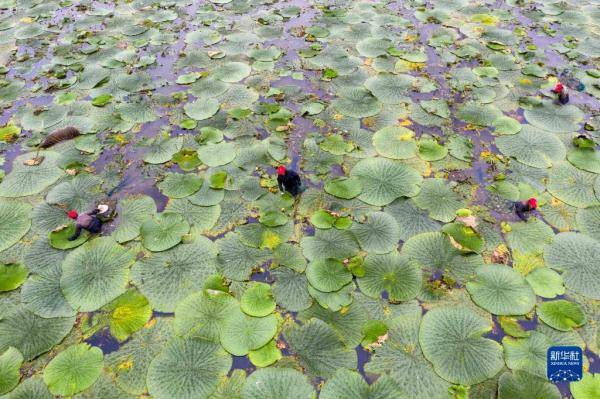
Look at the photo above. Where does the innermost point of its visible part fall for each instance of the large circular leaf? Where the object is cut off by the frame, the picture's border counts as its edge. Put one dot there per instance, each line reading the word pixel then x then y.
pixel 501 290
pixel 588 221
pixel 384 180
pixel 327 275
pixel 232 72
pixel 434 251
pixel 204 314
pixel 95 273
pixel 438 197
pixel 344 187
pixel 167 277
pixel 389 88
pixel 180 185
pixel 202 108
pixel 164 231
pixel 451 339
pixel 78 193
pixel 356 102
pixel 12 276
pixel 32 335
pixel 561 315
pixel 258 300
pixel 10 365
pixel 27 178
pixel 217 154
pixel 378 234
pixel 134 211
pixel 555 118
pixel 351 385
pixel 395 142
pixel 128 314
pixel 74 370
pixel 397 275
pixel 15 221
pixel 572 185
pixel 332 243
pixel 527 354
pixel 280 383
pixel 319 348
pixel 577 257
pixel 241 333
pixel 187 369
pixel 533 147
pixel 522 385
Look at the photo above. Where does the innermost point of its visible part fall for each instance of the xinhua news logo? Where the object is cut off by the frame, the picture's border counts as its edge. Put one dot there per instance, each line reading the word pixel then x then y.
pixel 565 363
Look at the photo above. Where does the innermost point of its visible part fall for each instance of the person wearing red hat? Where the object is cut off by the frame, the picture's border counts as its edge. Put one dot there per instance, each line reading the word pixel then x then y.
pixel 561 93
pixel 288 180
pixel 86 221
pixel 522 208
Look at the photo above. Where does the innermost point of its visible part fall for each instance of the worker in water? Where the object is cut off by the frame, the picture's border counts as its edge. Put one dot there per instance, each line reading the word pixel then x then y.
pixel 522 208
pixel 288 180
pixel 561 93
pixel 87 221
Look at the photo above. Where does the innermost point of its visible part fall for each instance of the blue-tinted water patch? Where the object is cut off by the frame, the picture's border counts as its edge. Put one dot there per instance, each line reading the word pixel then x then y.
pixel 241 363
pixel 103 340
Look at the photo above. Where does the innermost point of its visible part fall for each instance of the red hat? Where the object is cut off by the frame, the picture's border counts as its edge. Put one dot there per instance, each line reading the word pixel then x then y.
pixel 559 88
pixel 532 203
pixel 281 170
pixel 72 214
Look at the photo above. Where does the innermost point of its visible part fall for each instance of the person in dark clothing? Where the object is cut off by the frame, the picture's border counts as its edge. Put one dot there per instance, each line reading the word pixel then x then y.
pixel 288 180
pixel 86 221
pixel 561 93
pixel 522 208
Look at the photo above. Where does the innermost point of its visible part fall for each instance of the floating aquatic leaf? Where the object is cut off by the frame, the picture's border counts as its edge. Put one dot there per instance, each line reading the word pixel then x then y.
pixel 438 197
pixel 319 348
pixel 527 354
pixel 533 147
pixel 396 274
pixel 60 237
pixel 395 142
pixel 280 383
pixel 576 256
pixel 10 365
pixel 266 355
pixel 357 102
pixel 127 314
pixel 167 277
pixel 164 231
pixel 27 178
pixel 349 384
pixel 384 180
pixel 95 273
pixel 74 370
pixel 587 388
pixel 561 315
pixel 133 212
pixel 327 275
pixel 180 185
pixel 448 335
pixel 241 333
pixel 501 290
pixel 187 368
pixel 546 282
pixel 12 276
pixel 555 118
pixel 258 300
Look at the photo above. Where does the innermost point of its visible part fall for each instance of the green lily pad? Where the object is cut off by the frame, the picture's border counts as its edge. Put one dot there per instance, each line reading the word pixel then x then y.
pixel 356 102
pixel 258 300
pixel 397 275
pixel 327 275
pixel 202 109
pixel 12 276
pixel 280 383
pixel 448 335
pixel 527 354
pixel 164 231
pixel 576 257
pixel 95 274
pixel 384 180
pixel 74 370
pixel 546 282
pixel 561 315
pixel 379 233
pixel 187 159
pixel 187 368
pixel 241 333
pixel 395 142
pixel 10 365
pixel 465 236
pixel 351 385
pixel 25 179
pixel 501 290
pixel 180 185
pixel 127 314
pixel 438 197
pixel 344 187
pixel 555 118
pixel 265 356
pixel 587 388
